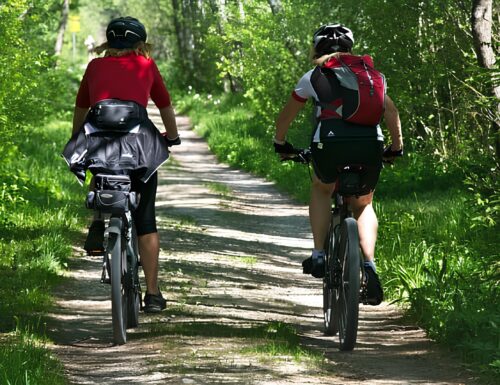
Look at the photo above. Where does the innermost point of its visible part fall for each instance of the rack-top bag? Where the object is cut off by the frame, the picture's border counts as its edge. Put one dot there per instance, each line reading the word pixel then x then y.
pixel 112 194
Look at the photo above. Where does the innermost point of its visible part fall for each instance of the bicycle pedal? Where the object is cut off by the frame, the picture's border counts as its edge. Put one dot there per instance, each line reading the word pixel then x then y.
pixel 105 277
pixel 363 294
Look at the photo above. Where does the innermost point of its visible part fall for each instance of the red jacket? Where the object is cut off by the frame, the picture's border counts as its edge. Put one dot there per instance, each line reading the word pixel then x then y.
pixel 130 77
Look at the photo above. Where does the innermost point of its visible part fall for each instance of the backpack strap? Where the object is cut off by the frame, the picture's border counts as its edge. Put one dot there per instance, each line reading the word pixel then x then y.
pixel 327 87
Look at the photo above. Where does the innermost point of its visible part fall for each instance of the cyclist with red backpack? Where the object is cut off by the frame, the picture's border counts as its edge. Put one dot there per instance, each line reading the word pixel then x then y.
pixel 350 100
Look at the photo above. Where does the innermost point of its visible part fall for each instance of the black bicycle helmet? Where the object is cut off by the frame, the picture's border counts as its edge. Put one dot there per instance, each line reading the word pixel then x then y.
pixel 125 32
pixel 332 38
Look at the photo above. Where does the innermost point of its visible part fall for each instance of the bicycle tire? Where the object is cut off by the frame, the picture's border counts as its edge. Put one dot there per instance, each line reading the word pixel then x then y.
pixel 132 276
pixel 347 298
pixel 329 319
pixel 118 292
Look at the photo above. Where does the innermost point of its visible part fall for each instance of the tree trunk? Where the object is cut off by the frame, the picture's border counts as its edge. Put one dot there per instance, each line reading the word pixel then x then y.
pixel 275 6
pixel 177 27
pixel 482 22
pixel 62 28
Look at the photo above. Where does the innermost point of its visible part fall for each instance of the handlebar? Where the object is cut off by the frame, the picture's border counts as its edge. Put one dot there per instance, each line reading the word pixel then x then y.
pixel 302 155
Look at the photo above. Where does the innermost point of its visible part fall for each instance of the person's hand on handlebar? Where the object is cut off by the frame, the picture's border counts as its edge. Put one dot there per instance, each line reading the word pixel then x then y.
pixel 171 142
pixel 284 149
pixel 390 154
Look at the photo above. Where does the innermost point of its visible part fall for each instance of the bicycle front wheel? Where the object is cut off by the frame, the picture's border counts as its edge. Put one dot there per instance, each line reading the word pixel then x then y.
pixel 118 291
pixel 329 292
pixel 132 278
pixel 347 298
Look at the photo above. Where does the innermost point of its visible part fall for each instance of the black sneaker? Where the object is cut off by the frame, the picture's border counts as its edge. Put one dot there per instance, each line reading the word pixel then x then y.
pixel 315 268
pixel 95 238
pixel 154 303
pixel 374 292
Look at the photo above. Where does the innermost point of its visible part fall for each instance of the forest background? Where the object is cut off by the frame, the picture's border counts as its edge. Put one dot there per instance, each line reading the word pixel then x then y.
pixel 231 65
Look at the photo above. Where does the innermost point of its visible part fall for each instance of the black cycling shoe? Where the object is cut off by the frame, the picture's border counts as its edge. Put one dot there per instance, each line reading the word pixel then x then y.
pixel 316 268
pixel 154 303
pixel 374 292
pixel 95 238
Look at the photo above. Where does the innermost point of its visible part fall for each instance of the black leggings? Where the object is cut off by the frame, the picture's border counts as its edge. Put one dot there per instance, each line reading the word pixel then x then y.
pixel 328 160
pixel 145 215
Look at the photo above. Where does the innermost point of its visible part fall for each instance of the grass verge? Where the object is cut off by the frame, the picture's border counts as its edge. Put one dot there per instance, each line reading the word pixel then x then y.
pixel 25 360
pixel 41 216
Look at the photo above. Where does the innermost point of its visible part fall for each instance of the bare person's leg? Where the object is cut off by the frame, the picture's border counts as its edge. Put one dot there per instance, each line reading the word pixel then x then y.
pixel 319 210
pixel 362 210
pixel 149 250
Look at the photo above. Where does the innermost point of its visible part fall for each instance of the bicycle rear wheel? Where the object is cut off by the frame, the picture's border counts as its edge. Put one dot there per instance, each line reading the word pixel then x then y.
pixel 132 279
pixel 346 306
pixel 329 292
pixel 117 252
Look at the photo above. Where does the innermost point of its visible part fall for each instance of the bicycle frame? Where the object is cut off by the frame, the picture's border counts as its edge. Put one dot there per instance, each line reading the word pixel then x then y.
pixel 120 258
pixel 340 209
pixel 344 268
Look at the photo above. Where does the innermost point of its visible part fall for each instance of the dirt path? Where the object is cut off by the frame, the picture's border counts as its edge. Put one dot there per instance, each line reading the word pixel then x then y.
pixel 239 311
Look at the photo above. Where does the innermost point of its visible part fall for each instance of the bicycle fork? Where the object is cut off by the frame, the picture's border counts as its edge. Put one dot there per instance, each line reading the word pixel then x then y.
pixel 114 227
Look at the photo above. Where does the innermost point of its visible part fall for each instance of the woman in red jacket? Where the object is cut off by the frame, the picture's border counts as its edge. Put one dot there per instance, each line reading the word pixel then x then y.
pixel 128 73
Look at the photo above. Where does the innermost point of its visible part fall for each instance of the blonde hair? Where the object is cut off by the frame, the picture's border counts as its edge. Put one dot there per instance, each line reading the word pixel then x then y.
pixel 320 61
pixel 140 48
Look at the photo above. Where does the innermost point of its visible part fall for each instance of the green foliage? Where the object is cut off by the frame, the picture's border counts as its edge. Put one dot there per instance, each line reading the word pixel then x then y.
pixel 280 339
pixel 30 88
pixel 25 63
pixel 484 183
pixel 436 259
pixel 41 213
pixel 38 209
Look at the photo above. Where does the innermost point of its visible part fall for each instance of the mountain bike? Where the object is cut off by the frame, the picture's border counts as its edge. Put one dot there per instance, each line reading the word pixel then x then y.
pixel 344 286
pixel 113 201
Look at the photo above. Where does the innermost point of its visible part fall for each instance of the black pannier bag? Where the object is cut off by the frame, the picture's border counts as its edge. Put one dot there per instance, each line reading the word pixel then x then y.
pixel 112 194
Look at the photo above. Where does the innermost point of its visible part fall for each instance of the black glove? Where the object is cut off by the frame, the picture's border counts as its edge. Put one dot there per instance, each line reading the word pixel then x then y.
pixel 286 148
pixel 390 154
pixel 172 142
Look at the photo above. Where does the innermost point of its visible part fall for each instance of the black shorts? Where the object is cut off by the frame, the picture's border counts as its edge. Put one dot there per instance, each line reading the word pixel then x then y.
pixel 334 155
pixel 145 216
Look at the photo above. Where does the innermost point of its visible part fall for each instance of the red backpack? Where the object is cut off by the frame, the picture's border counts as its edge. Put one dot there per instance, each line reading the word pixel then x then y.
pixel 349 88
